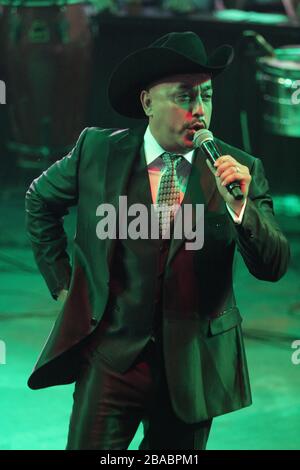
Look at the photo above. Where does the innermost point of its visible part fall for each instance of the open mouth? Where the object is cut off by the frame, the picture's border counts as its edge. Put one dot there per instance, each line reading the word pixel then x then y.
pixel 193 129
pixel 197 126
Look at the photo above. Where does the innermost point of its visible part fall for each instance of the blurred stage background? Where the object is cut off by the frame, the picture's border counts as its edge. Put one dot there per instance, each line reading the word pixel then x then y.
pixel 55 61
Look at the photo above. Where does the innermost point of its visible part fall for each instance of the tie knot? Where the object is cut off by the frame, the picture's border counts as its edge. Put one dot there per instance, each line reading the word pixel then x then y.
pixel 171 159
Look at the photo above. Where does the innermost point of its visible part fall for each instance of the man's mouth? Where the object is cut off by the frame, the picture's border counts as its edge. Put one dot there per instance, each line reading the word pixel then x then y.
pixel 191 130
pixel 197 126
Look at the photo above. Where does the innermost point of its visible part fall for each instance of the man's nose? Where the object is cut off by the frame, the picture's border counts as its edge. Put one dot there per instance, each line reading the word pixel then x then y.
pixel 198 106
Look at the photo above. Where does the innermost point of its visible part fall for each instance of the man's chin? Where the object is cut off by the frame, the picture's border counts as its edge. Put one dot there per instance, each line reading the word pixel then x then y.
pixel 188 144
pixel 182 146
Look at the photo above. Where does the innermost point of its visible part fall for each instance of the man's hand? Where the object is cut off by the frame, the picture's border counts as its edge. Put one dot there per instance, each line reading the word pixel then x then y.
pixel 62 295
pixel 226 170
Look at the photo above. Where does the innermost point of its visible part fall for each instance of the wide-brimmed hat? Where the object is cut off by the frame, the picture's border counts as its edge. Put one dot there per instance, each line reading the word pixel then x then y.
pixel 171 54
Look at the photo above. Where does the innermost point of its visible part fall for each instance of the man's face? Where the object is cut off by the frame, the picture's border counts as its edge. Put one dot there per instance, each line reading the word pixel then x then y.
pixel 177 107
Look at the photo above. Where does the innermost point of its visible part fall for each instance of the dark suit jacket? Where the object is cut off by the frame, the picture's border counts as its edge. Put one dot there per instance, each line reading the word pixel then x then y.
pixel 203 344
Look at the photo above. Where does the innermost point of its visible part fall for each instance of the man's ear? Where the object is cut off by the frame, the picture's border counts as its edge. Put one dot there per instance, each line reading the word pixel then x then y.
pixel 146 102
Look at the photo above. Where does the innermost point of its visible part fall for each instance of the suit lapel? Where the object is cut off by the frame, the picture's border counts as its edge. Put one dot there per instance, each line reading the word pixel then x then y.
pixel 121 156
pixel 201 189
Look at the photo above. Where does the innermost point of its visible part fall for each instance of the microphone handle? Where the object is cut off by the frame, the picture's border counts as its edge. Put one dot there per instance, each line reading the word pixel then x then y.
pixel 213 153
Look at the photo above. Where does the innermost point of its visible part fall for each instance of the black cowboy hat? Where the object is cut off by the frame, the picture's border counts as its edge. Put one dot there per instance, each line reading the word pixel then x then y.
pixel 171 54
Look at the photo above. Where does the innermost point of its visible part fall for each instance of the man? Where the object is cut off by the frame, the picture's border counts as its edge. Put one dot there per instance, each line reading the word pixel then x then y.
pixel 149 329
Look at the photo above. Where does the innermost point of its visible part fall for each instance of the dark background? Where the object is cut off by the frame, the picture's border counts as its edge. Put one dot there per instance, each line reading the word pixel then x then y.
pixel 234 90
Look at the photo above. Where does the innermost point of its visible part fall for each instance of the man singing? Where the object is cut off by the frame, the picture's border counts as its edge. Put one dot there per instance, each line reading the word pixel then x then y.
pixel 149 330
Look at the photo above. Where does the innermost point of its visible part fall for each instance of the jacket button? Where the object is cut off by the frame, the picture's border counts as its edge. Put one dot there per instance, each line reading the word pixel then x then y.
pixel 94 321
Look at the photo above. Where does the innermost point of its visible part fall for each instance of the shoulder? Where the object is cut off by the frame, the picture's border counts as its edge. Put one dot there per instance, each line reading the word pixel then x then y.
pixel 96 142
pixel 98 135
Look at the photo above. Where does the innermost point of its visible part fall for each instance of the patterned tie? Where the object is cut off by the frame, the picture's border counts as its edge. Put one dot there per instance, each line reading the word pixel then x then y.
pixel 169 192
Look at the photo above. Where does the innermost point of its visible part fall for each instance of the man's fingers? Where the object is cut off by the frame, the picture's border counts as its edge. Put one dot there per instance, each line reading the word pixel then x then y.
pixel 244 179
pixel 224 159
pixel 231 171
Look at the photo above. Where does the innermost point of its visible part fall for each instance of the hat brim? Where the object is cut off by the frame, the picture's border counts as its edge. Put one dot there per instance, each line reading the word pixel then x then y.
pixel 138 70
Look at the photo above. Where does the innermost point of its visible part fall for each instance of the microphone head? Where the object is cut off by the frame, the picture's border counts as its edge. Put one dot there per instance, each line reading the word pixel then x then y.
pixel 202 136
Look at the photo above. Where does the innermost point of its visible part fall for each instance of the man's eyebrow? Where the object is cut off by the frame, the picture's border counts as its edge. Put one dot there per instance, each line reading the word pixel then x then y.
pixel 207 88
pixel 184 86
pixel 188 86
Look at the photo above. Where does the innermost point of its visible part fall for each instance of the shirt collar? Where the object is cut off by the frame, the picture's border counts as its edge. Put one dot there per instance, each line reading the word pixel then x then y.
pixel 153 150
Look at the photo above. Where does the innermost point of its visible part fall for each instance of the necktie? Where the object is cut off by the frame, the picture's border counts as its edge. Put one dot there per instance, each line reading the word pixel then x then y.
pixel 168 192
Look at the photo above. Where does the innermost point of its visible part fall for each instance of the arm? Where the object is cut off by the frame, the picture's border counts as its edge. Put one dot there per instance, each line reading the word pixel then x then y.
pixel 260 241
pixel 46 203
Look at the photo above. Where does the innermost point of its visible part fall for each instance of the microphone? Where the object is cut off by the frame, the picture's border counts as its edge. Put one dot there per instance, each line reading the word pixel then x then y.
pixel 205 140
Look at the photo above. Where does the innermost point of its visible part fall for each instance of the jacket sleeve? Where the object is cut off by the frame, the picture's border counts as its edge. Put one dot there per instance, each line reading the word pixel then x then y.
pixel 46 203
pixel 260 241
